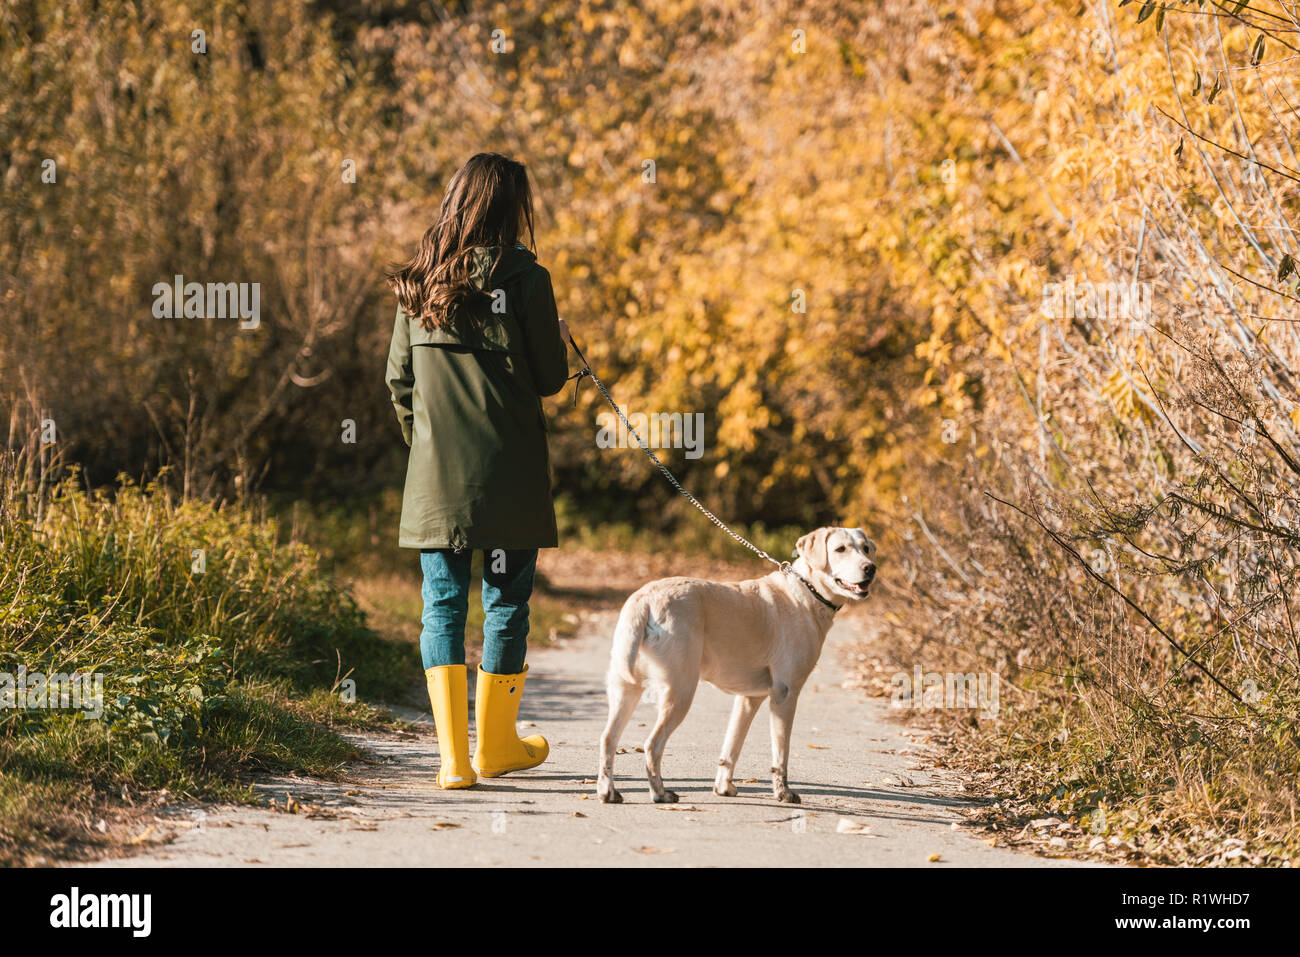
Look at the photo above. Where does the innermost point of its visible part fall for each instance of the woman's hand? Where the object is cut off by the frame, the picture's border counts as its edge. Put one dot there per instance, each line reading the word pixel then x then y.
pixel 564 333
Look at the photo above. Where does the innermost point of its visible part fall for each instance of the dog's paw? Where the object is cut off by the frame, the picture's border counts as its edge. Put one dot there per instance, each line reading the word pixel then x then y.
pixel 786 796
pixel 727 791
pixel 668 797
pixel 610 797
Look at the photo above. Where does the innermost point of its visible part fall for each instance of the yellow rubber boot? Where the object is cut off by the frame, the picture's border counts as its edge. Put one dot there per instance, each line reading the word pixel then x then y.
pixel 449 695
pixel 496 708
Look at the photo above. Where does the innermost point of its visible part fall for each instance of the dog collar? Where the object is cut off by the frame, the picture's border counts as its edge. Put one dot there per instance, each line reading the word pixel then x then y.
pixel 815 593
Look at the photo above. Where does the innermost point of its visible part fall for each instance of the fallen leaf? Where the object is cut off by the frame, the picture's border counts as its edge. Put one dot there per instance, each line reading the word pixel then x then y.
pixel 846 826
pixel 934 857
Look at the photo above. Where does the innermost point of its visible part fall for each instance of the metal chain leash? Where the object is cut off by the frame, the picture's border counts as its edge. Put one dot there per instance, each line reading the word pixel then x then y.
pixel 672 479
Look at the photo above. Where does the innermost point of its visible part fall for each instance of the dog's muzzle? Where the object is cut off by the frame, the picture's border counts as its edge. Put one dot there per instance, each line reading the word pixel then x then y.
pixel 859 587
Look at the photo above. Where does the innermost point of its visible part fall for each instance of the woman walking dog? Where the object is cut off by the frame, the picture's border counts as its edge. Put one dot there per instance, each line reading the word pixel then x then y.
pixel 476 344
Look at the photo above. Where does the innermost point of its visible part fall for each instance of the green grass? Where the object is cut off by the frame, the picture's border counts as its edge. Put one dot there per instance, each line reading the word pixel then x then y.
pixel 224 650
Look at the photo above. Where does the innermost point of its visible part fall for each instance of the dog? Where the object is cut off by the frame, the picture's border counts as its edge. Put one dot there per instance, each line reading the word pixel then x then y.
pixel 753 639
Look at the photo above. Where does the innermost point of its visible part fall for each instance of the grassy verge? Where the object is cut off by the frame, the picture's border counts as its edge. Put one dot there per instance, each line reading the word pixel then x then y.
pixel 222 650
pixel 1106 741
pixel 1052 782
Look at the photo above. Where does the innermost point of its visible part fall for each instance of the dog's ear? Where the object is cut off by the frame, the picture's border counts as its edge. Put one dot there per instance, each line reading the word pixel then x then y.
pixel 812 548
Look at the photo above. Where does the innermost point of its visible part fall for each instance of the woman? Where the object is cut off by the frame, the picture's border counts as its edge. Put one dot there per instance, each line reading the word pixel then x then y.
pixel 476 345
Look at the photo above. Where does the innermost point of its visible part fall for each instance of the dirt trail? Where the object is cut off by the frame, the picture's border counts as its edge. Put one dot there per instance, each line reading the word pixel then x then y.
pixel 852 766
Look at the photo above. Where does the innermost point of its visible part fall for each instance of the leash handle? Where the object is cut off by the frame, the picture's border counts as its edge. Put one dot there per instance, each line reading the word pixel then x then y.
pixel 576 378
pixel 581 358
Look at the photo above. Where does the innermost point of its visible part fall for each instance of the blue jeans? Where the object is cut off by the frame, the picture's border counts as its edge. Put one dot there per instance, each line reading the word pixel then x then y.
pixel 507 586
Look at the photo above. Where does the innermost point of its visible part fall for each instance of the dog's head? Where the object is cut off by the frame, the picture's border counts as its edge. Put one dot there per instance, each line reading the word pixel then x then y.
pixel 841 562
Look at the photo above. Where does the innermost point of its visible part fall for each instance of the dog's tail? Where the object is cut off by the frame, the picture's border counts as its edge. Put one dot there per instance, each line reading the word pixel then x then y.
pixel 628 633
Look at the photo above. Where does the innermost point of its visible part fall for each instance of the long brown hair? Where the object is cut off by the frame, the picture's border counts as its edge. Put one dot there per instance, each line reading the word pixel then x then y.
pixel 488 203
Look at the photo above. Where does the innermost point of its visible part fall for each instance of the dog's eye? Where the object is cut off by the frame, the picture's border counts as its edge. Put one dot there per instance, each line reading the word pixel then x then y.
pixel 840 549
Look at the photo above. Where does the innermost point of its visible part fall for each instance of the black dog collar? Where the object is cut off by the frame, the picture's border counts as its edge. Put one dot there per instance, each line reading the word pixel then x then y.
pixel 809 585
